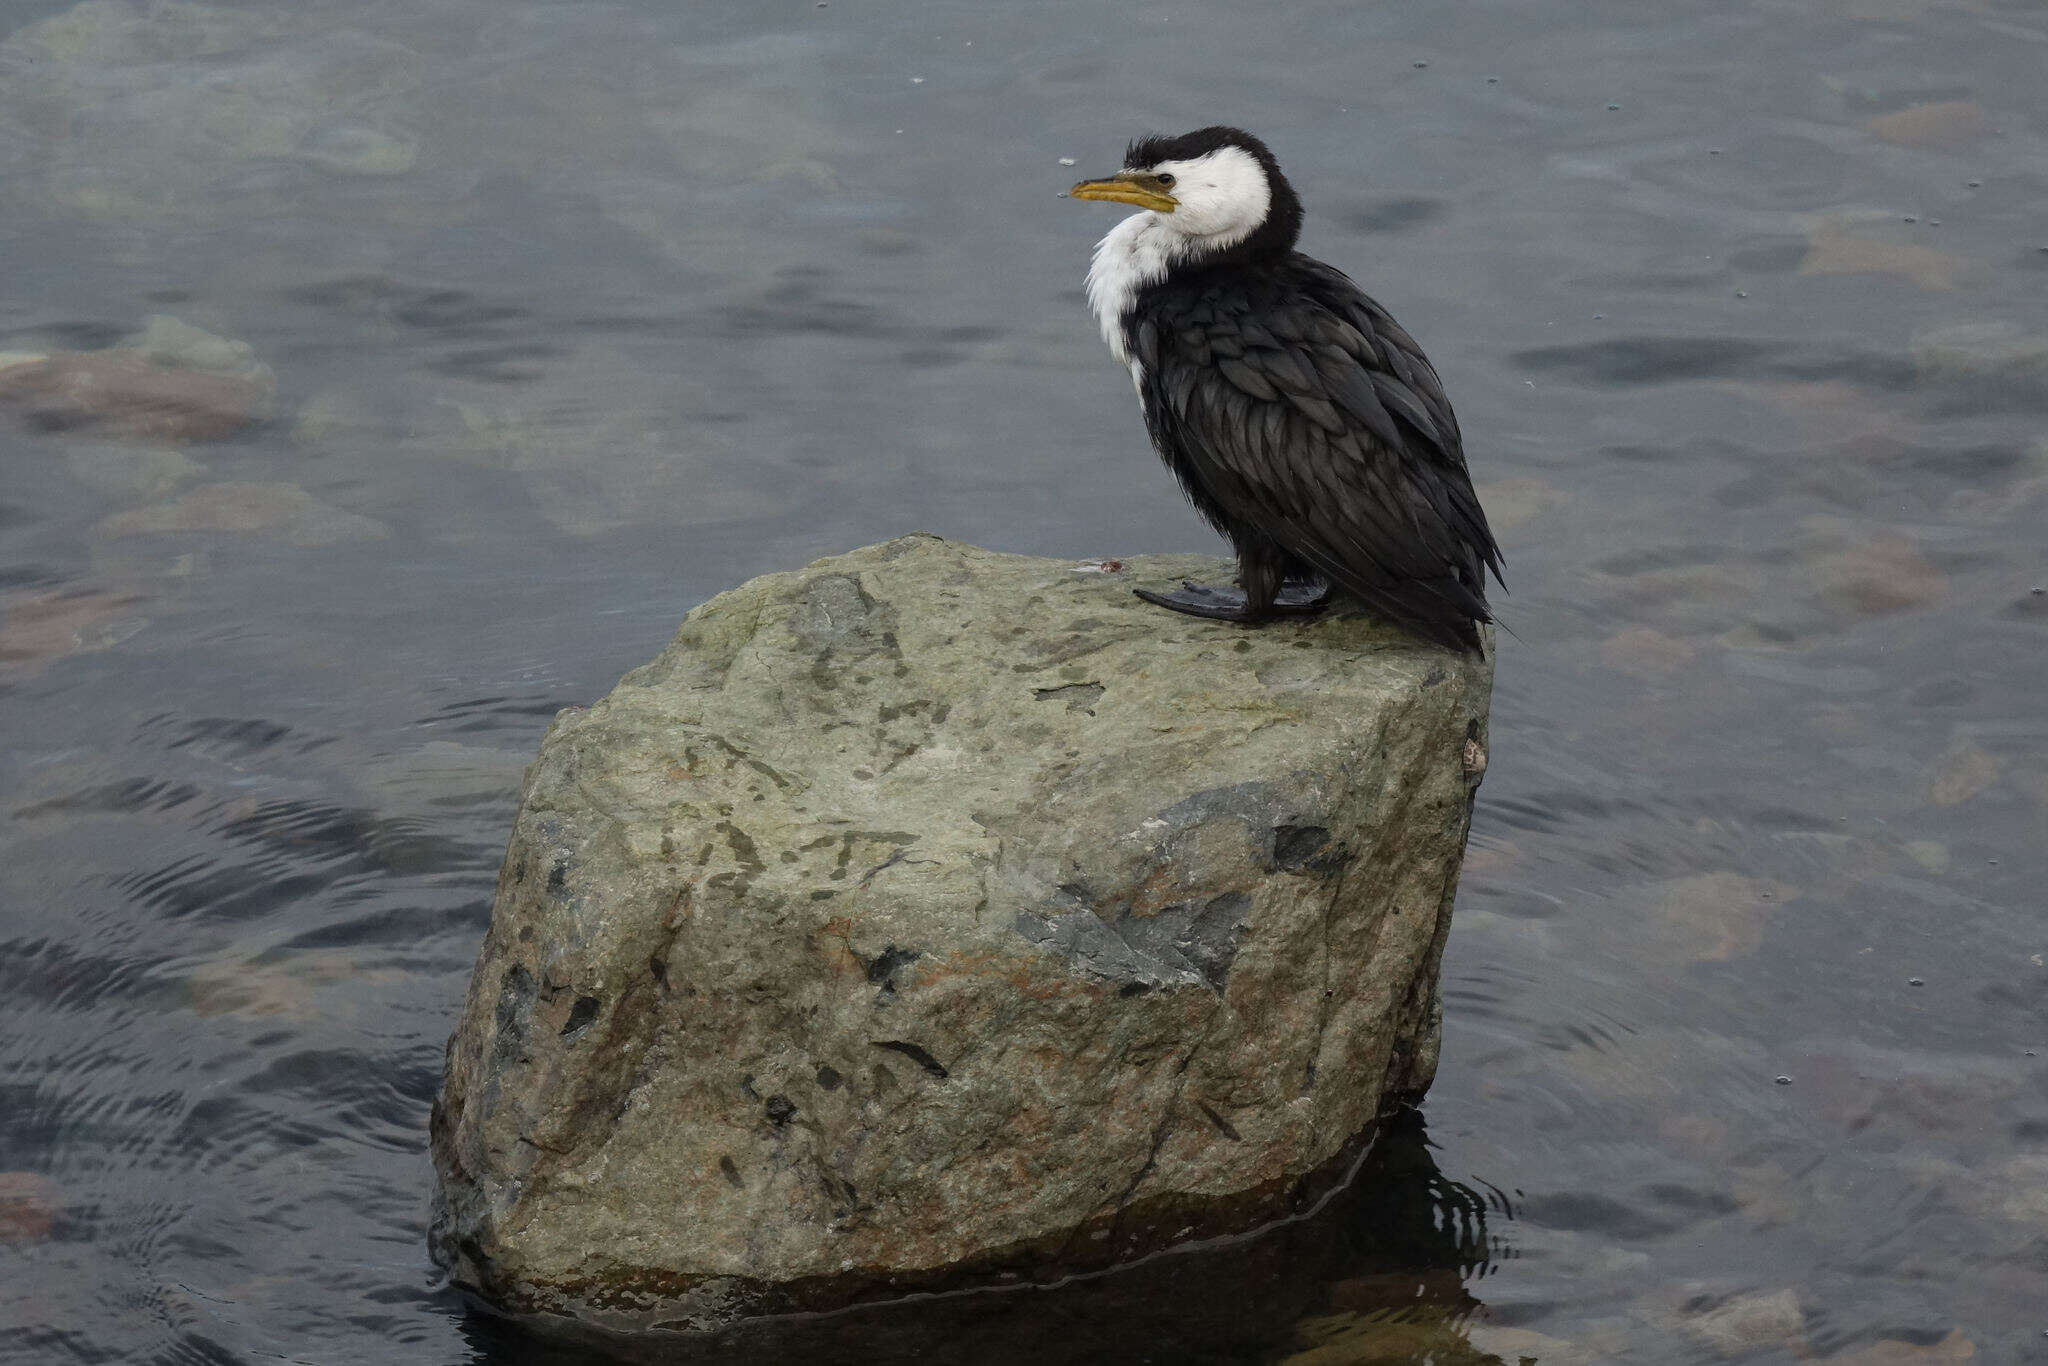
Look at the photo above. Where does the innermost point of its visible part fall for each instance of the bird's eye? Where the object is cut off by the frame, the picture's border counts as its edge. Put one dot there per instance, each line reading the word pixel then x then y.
pixel 1166 180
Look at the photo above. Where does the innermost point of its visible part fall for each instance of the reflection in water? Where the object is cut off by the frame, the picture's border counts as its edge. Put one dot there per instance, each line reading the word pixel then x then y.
pixel 1381 1271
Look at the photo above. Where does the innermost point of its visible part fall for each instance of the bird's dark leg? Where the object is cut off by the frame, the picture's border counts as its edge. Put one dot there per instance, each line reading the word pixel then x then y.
pixel 1265 592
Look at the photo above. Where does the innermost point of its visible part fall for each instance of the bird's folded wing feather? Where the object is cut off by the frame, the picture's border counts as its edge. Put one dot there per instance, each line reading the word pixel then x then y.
pixel 1408 387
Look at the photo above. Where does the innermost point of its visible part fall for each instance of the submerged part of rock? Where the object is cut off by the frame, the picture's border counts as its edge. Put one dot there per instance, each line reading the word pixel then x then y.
pixel 932 917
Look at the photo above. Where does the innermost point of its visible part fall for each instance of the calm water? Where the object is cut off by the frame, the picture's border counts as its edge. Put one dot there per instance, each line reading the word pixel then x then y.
pixel 578 313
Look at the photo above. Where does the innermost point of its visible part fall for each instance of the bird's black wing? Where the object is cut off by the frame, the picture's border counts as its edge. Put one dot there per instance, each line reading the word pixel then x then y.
pixel 1409 387
pixel 1289 401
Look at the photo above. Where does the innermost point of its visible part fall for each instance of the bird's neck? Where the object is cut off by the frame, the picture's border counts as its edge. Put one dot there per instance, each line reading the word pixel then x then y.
pixel 1132 257
pixel 1144 250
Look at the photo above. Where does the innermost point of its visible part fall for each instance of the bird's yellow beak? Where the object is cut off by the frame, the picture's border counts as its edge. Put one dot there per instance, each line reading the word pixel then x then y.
pixel 1129 187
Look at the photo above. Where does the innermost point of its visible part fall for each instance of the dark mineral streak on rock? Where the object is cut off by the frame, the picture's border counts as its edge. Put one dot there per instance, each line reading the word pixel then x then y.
pixel 580 1015
pixel 1080 697
pixel 916 1055
pixel 1175 949
pixel 513 1014
pixel 1295 845
pixel 1223 1125
pixel 884 964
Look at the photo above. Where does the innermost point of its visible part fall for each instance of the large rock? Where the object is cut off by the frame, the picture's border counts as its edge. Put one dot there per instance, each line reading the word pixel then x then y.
pixel 932 917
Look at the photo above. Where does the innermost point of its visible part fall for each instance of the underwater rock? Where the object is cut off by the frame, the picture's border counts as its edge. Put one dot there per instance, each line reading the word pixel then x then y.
pixel 1751 1323
pixel 36 628
pixel 356 150
pixel 1948 123
pixel 1511 502
pixel 285 511
pixel 1832 250
pixel 1994 365
pixel 932 917
pixel 28 1209
pixel 116 33
pixel 171 382
pixel 1877 575
pixel 129 471
pixel 1645 652
pixel 111 393
pixel 1962 773
pixel 170 112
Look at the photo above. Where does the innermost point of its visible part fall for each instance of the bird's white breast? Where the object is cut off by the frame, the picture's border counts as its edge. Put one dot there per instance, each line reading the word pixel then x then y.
pixel 1134 254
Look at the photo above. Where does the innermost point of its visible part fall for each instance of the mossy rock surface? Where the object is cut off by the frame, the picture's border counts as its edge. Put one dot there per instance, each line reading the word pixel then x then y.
pixel 929 917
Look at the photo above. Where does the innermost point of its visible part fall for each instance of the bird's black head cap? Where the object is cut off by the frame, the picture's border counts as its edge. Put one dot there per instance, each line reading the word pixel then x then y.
pixel 1275 236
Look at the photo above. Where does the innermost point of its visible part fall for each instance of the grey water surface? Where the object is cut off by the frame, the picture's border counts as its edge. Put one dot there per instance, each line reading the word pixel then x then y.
pixel 578 313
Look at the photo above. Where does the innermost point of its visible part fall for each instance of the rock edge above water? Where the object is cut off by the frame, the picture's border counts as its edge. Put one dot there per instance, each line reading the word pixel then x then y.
pixel 933 917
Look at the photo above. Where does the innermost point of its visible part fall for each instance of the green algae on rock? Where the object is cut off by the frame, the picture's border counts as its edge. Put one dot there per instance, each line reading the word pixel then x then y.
pixel 931 916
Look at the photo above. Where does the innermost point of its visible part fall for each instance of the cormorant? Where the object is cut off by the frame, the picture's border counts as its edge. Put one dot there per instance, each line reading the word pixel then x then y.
pixel 1301 419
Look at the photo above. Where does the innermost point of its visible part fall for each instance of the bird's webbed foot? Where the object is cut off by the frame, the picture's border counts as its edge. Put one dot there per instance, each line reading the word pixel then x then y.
pixel 1295 599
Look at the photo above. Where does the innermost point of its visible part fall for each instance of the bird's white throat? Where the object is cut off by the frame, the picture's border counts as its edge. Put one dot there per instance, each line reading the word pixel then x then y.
pixel 1134 254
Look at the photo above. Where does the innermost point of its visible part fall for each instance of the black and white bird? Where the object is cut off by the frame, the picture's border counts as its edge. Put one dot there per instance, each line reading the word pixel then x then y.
pixel 1301 419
